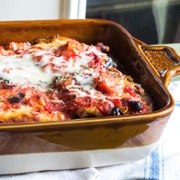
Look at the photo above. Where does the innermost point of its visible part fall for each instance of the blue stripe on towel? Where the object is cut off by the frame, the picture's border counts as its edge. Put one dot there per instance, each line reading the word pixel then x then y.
pixel 177 103
pixel 154 164
pixel 151 166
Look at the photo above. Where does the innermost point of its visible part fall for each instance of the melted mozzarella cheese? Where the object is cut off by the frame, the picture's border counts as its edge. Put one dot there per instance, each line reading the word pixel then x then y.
pixel 38 67
pixel 23 71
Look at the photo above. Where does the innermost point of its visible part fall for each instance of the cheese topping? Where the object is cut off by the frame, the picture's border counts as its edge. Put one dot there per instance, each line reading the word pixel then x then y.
pixel 22 71
pixel 38 65
pixel 57 80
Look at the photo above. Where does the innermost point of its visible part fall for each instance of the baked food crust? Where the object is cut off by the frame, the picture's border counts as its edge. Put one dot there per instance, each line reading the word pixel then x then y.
pixel 60 79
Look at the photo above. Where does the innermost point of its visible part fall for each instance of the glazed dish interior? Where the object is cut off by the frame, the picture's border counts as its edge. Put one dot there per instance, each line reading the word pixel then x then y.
pixel 122 48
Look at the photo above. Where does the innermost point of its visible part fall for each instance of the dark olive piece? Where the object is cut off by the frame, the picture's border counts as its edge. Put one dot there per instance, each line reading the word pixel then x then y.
pixel 14 100
pixel 21 95
pixel 17 98
pixel 136 105
pixel 116 111
pixel 102 47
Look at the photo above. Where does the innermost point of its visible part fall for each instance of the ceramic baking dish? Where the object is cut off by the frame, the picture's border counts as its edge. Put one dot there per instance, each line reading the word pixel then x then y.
pixel 91 142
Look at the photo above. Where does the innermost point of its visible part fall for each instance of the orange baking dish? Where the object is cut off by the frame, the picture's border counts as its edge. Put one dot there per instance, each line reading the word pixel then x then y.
pixel 92 142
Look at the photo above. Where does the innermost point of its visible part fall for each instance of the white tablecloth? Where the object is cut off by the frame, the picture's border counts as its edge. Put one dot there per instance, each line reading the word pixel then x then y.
pixel 162 164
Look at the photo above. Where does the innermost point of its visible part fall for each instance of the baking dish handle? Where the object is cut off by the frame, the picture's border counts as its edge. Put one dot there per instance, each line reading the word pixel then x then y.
pixel 164 60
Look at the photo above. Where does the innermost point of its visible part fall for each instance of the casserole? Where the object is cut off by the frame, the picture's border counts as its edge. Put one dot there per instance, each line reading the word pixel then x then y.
pixel 91 142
